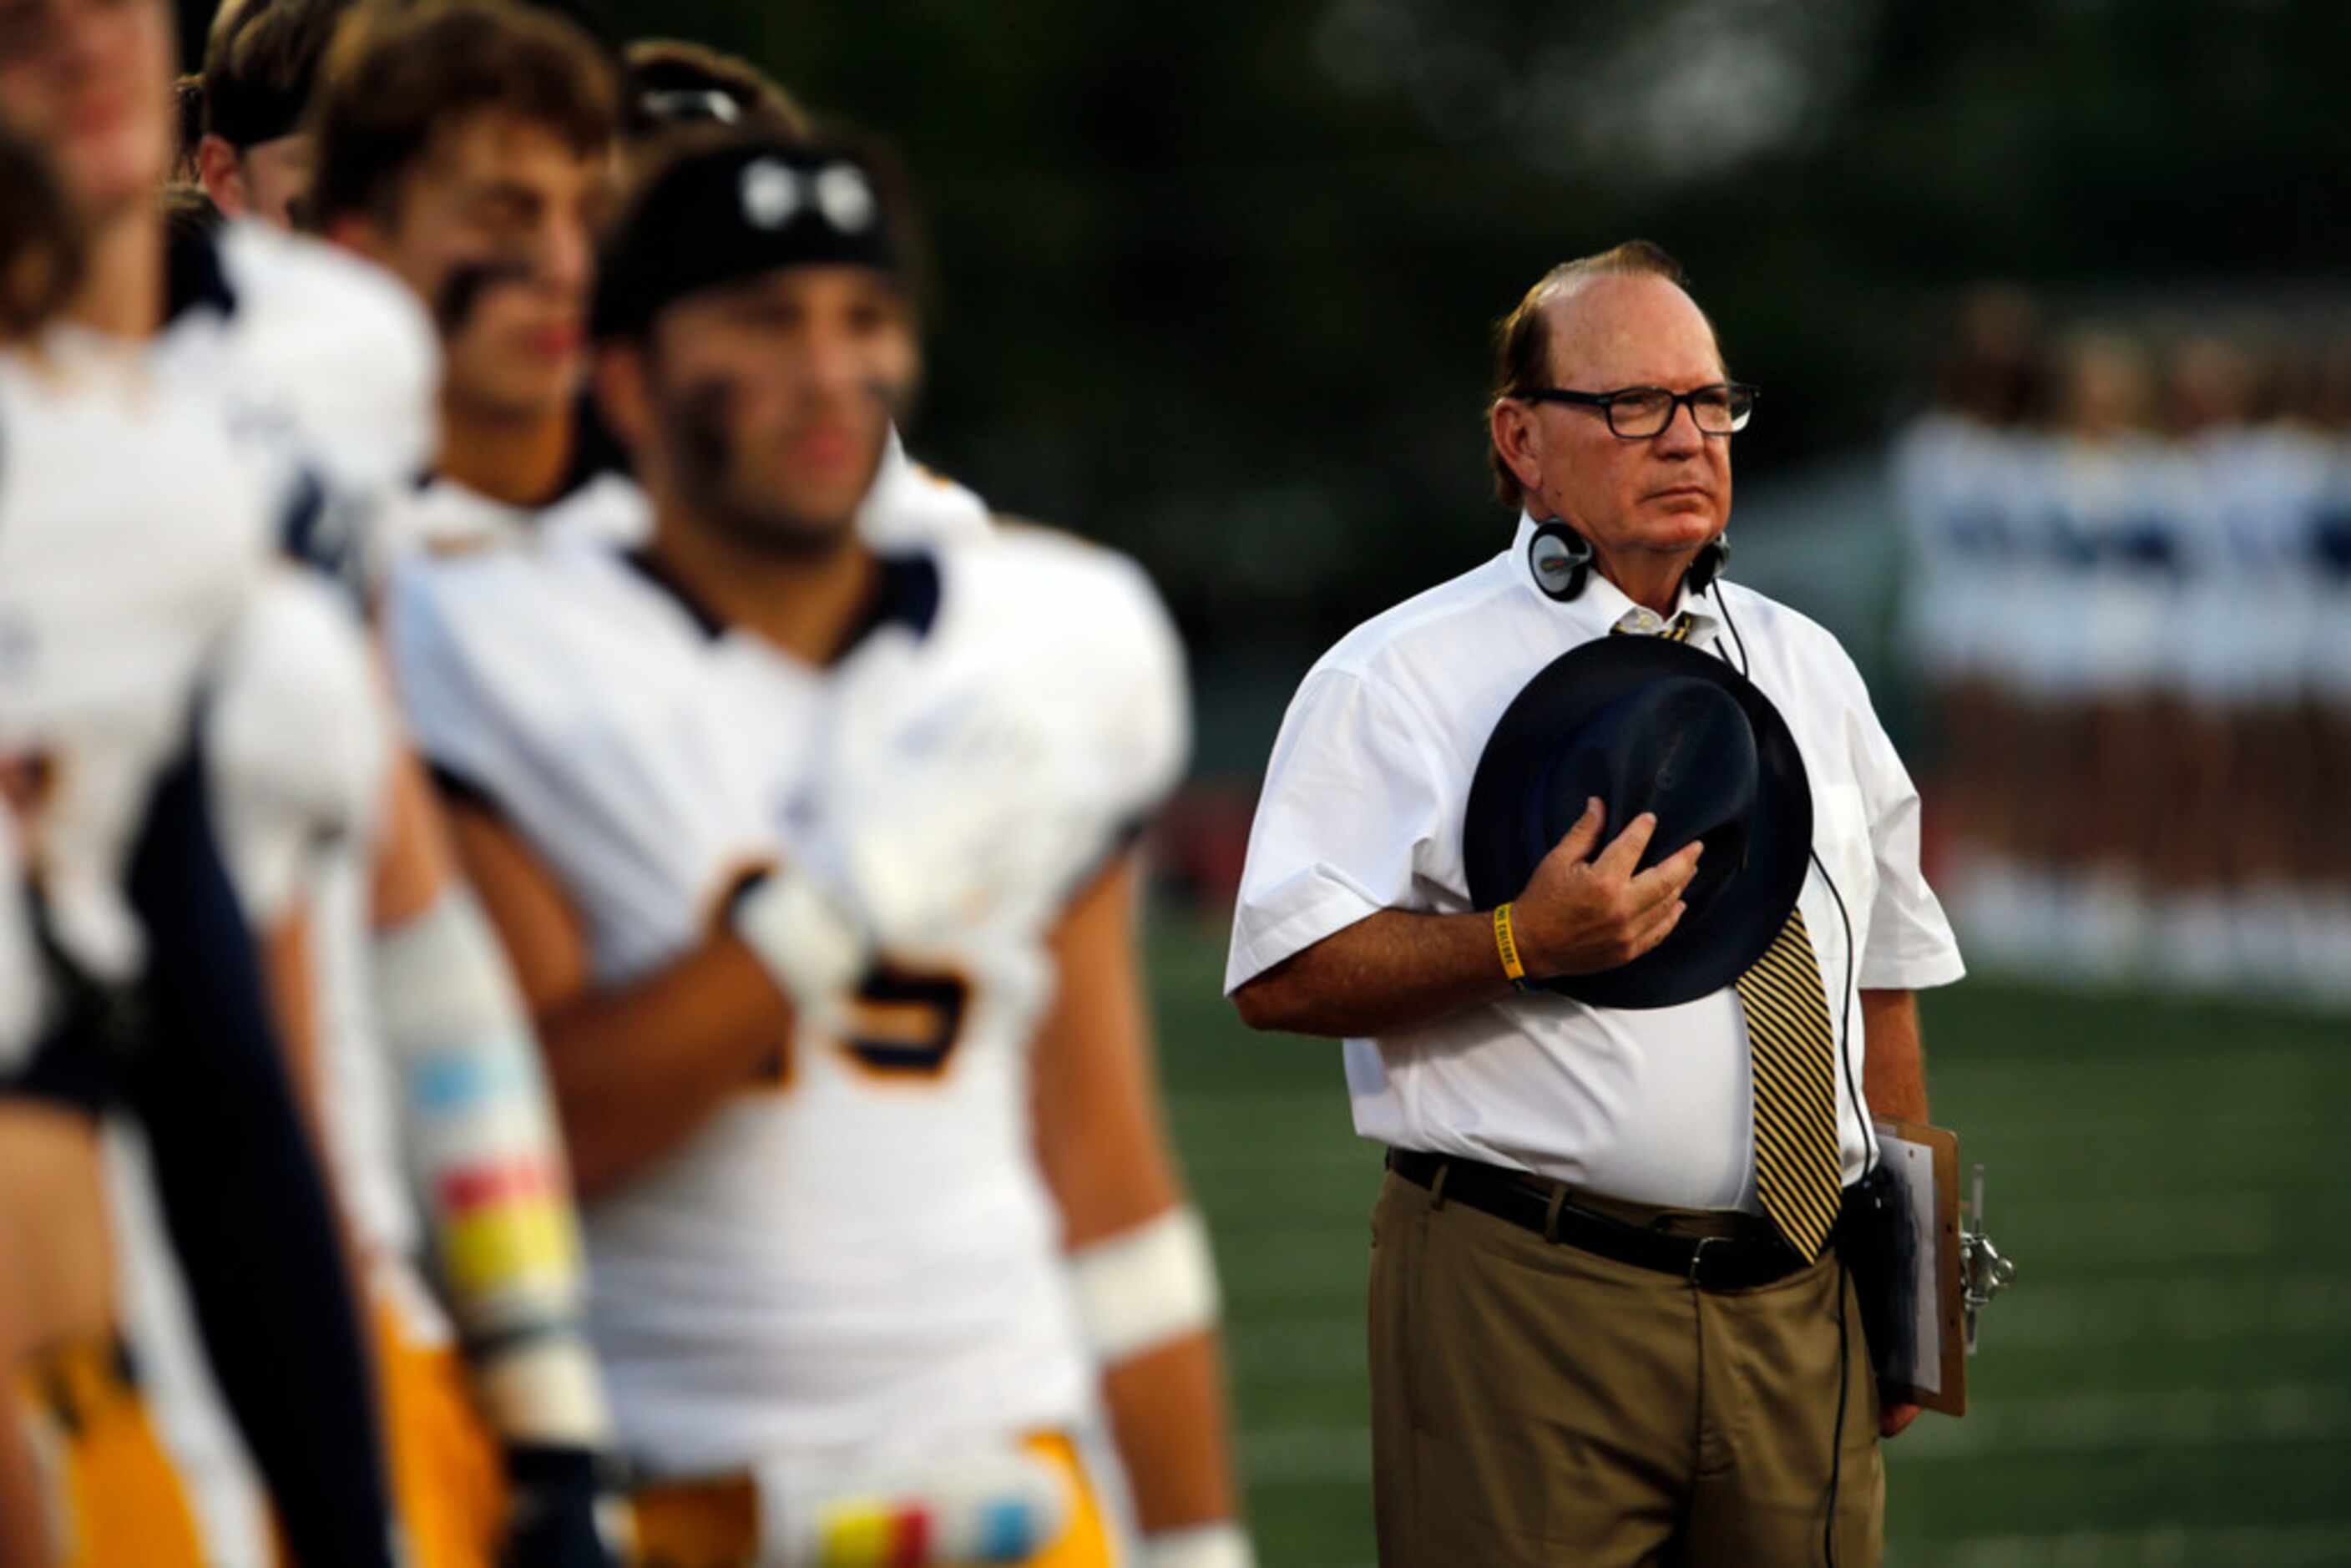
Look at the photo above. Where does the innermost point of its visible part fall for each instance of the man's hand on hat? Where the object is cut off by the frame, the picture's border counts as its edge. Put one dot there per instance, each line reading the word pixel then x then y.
pixel 1582 913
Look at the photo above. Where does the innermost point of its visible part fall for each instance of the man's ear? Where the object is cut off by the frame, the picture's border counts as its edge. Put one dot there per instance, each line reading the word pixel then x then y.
pixel 223 176
pixel 1519 438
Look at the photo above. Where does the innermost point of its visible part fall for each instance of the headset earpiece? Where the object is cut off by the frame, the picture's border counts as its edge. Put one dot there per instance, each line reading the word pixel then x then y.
pixel 1707 565
pixel 1560 559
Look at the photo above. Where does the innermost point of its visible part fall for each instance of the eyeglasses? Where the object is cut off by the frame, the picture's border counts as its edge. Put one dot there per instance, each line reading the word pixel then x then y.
pixel 1637 413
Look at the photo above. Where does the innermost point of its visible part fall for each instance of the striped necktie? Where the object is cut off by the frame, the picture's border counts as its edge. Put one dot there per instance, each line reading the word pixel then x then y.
pixel 1792 1050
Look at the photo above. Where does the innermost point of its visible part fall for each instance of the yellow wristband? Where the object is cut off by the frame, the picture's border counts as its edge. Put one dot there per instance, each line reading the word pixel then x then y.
pixel 1506 941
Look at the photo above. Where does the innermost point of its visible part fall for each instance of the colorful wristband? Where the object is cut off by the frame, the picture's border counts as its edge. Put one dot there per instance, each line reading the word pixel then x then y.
pixel 1506 943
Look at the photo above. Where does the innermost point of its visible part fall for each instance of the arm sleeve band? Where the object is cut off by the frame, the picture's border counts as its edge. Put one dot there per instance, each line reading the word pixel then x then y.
pixel 244 1200
pixel 1146 1287
pixel 1220 1545
pixel 483 1140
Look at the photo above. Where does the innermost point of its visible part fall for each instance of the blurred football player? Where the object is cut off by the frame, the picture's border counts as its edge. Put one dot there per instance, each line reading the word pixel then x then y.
pixel 324 373
pixel 680 95
pixel 466 147
pixel 452 151
pixel 253 156
pixel 125 974
pixel 812 861
pixel 672 84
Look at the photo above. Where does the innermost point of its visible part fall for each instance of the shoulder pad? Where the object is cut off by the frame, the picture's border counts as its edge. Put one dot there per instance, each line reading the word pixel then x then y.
pixel 911 506
pixel 348 349
pixel 297 736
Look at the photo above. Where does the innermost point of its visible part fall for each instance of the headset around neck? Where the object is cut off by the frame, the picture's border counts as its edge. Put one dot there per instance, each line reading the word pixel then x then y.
pixel 1561 561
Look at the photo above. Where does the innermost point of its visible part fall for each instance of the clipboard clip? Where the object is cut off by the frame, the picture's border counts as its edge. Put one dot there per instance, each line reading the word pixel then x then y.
pixel 1983 1272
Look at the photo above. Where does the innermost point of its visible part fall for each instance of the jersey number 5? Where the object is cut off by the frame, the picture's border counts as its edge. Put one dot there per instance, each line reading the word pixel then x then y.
pixel 903 1027
pixel 906 1024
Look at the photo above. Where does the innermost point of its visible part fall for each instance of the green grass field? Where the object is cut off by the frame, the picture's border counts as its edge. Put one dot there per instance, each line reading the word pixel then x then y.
pixel 2170 1382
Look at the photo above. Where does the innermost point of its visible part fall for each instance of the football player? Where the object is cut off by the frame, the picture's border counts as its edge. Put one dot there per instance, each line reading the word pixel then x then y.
pixel 483 199
pixel 811 862
pixel 254 155
pixel 679 93
pixel 325 372
pixel 673 83
pixel 466 147
pixel 124 970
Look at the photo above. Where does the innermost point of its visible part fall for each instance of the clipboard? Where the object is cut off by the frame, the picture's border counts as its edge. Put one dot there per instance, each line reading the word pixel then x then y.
pixel 1928 1366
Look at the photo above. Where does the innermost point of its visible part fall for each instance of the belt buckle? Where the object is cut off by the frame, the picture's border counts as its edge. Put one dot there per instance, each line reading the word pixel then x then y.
pixel 1698 1258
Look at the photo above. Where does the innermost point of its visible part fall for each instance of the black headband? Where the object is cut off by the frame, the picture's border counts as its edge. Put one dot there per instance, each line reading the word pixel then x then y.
pixel 719 216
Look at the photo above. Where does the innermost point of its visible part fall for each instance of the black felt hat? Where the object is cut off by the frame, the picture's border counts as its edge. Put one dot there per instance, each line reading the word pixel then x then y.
pixel 1650 725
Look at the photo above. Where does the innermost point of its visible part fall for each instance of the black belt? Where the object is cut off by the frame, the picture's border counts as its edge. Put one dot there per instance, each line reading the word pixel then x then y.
pixel 1709 1262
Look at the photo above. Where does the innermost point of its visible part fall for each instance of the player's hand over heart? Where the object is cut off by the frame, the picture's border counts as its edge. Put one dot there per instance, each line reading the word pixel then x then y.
pixel 1581 914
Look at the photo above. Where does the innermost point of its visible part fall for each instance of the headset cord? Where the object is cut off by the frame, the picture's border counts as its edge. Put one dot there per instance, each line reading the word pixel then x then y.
pixel 1836 1433
pixel 1869 1163
pixel 1746 665
pixel 1861 1114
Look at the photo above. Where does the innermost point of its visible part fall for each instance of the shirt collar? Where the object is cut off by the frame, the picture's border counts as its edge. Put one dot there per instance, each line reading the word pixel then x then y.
pixel 906 593
pixel 1603 607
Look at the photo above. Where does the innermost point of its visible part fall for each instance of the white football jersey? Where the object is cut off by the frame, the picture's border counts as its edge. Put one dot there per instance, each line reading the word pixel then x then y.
pixel 132 541
pixel 119 578
pixel 299 738
pixel 329 372
pixel 855 1262
pixel 299 741
pixel 441 517
pixel 910 505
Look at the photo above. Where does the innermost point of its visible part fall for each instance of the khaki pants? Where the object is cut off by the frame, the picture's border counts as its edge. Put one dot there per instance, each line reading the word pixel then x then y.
pixel 1534 1405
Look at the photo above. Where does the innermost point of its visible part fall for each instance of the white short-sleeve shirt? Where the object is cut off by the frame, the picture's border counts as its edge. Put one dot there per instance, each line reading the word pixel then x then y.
pixel 1362 811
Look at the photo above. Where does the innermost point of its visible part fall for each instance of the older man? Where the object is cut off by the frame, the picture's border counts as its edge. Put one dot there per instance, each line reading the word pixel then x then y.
pixel 1597 1337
